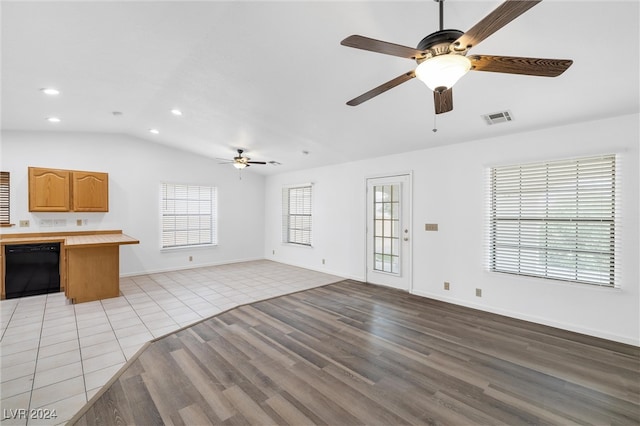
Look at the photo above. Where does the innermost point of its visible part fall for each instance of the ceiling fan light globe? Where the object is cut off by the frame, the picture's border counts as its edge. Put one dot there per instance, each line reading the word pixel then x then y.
pixel 239 165
pixel 443 71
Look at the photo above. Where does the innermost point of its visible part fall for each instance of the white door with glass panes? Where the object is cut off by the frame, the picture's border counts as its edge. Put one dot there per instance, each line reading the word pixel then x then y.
pixel 388 231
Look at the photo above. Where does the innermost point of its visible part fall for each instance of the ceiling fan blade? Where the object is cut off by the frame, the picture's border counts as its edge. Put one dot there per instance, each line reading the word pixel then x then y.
pixel 501 16
pixel 443 101
pixel 382 88
pixel 372 45
pixel 518 65
pixel 256 162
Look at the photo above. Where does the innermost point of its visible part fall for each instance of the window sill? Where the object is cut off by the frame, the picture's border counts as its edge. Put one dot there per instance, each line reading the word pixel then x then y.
pixel 534 280
pixel 298 245
pixel 181 248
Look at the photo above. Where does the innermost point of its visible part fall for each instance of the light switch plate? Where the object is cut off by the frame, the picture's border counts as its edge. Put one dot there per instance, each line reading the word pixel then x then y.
pixel 430 226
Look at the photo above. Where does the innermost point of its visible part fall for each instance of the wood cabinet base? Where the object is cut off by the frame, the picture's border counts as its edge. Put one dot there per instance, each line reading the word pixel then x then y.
pixel 93 273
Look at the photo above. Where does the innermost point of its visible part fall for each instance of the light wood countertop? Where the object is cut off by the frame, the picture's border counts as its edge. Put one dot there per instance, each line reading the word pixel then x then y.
pixel 99 240
pixel 32 240
pixel 72 240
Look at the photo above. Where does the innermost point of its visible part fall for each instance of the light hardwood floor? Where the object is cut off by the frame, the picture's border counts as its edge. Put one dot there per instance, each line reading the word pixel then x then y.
pixel 352 353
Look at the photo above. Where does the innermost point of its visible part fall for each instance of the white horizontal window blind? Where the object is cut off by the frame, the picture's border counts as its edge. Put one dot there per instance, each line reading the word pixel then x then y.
pixel 555 220
pixel 4 198
pixel 296 215
pixel 189 215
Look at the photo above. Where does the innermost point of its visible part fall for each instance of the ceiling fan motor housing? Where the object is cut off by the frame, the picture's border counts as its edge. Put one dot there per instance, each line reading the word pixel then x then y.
pixel 438 43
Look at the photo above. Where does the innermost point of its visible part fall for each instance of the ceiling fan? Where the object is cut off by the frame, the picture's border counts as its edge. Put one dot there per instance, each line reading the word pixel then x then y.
pixel 442 56
pixel 241 162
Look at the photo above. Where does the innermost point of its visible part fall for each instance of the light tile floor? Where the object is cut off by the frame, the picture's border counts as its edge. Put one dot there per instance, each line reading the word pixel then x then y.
pixel 56 356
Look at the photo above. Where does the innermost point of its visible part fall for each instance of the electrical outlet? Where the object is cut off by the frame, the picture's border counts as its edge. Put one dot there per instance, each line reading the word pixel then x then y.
pixel 446 285
pixel 478 292
pixel 190 258
pixel 79 222
pixel 273 252
pixel 323 261
pixel 24 223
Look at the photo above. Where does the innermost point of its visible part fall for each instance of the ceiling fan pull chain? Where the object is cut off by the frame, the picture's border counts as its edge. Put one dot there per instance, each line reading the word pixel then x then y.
pixel 435 127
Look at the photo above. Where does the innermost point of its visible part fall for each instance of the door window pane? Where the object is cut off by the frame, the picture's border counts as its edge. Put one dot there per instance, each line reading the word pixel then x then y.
pixel 386 228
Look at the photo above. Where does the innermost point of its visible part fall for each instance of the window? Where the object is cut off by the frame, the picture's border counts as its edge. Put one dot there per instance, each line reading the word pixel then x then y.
pixel 386 229
pixel 189 215
pixel 555 220
pixel 296 215
pixel 4 199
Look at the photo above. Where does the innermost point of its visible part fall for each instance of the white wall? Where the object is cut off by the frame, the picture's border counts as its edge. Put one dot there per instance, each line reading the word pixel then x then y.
pixel 449 188
pixel 136 168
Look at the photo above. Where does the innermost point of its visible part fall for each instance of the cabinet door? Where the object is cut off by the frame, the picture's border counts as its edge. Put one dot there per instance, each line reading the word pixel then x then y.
pixel 93 273
pixel 49 190
pixel 90 191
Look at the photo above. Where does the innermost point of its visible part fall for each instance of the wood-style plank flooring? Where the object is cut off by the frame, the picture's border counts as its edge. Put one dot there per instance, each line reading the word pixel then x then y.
pixel 351 353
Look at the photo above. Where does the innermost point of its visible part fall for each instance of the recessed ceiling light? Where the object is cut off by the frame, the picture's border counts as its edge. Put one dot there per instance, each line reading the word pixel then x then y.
pixel 50 91
pixel 154 131
pixel 176 111
pixel 53 119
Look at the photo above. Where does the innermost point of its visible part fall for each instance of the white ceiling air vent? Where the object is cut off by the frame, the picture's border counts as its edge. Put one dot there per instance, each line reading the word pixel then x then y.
pixel 497 117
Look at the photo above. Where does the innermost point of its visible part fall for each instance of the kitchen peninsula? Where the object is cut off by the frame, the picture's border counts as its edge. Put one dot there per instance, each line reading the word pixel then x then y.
pixel 89 262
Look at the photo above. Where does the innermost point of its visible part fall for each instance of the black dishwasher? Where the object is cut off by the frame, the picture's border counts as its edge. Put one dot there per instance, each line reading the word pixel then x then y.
pixel 31 269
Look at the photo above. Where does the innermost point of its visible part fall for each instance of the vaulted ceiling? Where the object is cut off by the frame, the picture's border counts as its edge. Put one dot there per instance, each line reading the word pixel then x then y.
pixel 272 78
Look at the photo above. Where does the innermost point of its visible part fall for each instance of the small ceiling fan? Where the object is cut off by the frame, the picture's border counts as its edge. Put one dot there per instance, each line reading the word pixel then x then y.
pixel 442 56
pixel 241 162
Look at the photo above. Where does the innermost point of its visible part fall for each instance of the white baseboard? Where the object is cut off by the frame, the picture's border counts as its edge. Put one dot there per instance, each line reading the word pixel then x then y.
pixel 512 314
pixel 182 268
pixel 227 262
pixel 323 270
pixel 538 320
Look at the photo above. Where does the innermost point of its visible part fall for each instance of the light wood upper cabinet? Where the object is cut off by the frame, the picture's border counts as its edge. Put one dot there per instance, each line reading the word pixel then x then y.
pixel 54 190
pixel 90 191
pixel 49 190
